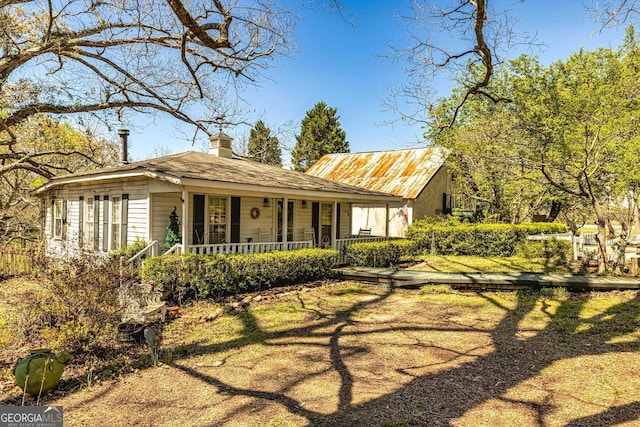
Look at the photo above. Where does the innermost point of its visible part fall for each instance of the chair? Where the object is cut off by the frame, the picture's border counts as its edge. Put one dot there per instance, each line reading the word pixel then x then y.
pixel 263 236
pixel 309 234
pixel 364 232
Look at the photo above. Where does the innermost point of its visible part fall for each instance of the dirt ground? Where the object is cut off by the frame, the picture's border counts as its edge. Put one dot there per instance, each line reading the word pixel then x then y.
pixel 358 355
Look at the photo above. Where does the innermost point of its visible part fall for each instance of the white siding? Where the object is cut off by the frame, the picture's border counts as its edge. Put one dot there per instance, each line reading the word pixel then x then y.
pixel 136 220
pixel 260 229
pixel 162 205
pixel 160 198
pixel 302 221
pixel 345 220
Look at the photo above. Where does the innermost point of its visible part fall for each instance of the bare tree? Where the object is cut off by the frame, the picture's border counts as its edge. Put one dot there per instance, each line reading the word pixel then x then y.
pixel 83 60
pixel 612 13
pixel 464 42
pixel 74 57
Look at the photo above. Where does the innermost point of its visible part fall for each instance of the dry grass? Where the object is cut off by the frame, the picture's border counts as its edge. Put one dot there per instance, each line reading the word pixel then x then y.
pixel 358 355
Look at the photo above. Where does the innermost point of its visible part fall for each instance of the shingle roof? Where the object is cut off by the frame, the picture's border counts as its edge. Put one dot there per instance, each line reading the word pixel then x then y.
pixel 400 172
pixel 208 167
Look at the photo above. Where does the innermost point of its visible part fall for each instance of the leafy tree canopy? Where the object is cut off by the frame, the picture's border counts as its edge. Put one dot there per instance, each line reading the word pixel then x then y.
pixel 569 133
pixel 320 134
pixel 262 146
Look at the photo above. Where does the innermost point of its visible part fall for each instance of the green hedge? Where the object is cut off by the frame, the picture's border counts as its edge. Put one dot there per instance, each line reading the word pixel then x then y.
pixel 476 239
pixel 213 275
pixel 378 254
pixel 548 249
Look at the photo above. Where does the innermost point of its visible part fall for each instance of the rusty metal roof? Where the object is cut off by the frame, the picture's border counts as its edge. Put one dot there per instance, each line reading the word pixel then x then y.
pixel 208 167
pixel 400 172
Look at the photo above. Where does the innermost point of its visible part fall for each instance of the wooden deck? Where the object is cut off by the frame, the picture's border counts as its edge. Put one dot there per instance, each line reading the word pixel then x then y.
pixel 503 281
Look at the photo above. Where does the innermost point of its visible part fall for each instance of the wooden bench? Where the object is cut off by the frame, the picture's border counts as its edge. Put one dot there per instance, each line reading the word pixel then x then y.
pixel 364 232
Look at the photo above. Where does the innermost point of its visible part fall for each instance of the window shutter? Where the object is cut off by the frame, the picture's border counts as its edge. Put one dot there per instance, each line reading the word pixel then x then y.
pixel 235 219
pixel 105 224
pixel 64 220
pixel 124 215
pixel 80 219
pixel 53 217
pixel 96 222
pixel 315 221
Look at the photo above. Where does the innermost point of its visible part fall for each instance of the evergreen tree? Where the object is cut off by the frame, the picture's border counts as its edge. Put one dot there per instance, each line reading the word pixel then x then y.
pixel 320 134
pixel 173 231
pixel 262 147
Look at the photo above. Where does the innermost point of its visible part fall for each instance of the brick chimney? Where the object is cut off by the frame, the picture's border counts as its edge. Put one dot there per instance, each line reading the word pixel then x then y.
pixel 124 146
pixel 220 145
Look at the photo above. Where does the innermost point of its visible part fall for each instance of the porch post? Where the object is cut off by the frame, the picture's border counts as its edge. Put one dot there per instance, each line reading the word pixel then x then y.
pixel 334 224
pixel 350 219
pixel 285 221
pixel 185 221
pixel 149 217
pixel 386 226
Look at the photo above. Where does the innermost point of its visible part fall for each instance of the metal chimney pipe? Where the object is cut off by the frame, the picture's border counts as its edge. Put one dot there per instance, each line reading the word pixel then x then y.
pixel 124 148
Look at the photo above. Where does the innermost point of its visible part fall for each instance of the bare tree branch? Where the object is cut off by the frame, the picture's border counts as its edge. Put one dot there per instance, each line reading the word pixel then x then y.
pixel 613 13
pixel 464 42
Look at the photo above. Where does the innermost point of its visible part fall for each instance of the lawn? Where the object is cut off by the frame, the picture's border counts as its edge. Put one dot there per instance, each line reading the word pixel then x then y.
pixel 345 353
pixel 469 264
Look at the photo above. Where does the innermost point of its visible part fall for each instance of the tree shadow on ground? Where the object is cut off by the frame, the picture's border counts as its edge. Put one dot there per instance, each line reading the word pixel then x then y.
pixel 513 361
pixel 476 380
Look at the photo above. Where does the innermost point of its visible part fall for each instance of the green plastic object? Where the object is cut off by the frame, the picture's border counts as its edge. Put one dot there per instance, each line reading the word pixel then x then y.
pixel 40 371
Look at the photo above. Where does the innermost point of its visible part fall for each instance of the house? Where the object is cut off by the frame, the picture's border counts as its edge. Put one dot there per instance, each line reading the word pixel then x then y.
pixel 419 176
pixel 224 204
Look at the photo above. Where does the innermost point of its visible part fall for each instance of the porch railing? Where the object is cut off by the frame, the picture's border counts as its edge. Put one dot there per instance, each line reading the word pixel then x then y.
pixel 342 244
pixel 259 247
pixel 247 248
pixel 150 250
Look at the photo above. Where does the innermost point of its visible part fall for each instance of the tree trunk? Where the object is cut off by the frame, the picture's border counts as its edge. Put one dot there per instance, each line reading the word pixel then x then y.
pixel 636 219
pixel 556 207
pixel 601 238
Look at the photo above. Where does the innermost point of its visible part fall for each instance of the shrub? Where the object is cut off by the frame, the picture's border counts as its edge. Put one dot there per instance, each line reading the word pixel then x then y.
pixel 379 254
pixel 475 239
pixel 271 269
pixel 131 249
pixel 76 308
pixel 189 275
pixel 548 249
pixel 214 275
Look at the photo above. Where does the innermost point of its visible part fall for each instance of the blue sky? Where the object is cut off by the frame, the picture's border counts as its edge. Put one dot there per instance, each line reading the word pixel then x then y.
pixel 341 65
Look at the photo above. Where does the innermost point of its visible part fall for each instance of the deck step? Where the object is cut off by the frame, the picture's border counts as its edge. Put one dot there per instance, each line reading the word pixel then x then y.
pixel 506 281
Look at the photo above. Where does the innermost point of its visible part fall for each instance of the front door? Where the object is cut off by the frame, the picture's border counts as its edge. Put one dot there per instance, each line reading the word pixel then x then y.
pixel 280 219
pixel 326 212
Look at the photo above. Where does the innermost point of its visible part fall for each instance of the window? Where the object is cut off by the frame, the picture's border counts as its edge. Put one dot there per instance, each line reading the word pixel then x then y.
pixel 88 230
pixel 58 219
pixel 116 220
pixel 217 220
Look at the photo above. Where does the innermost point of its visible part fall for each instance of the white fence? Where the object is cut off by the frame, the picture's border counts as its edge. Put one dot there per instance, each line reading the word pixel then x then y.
pixel 579 242
pixel 342 244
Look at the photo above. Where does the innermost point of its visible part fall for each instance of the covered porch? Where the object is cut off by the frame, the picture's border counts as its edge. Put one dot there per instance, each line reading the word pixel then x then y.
pixel 219 223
